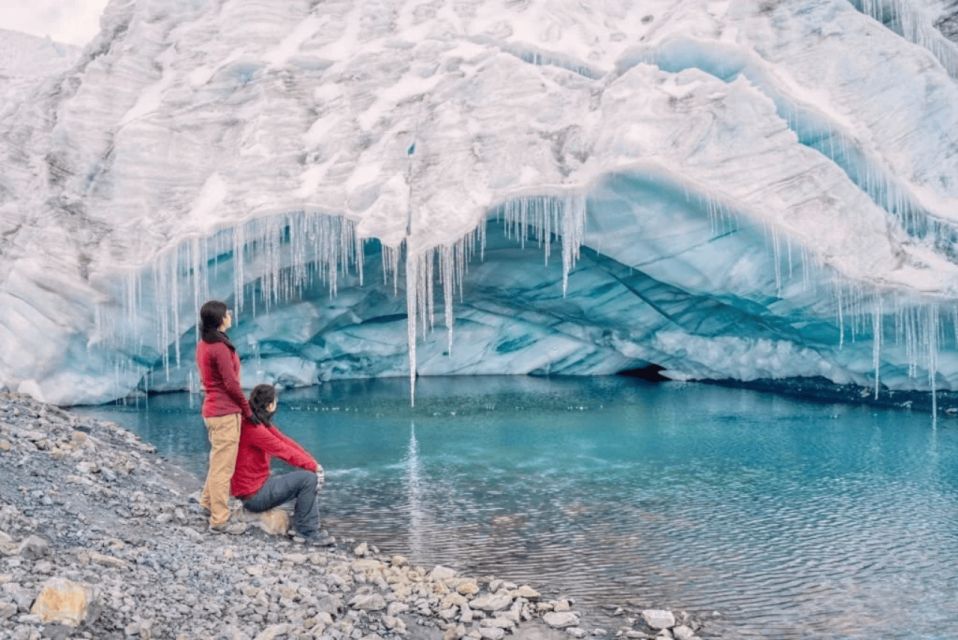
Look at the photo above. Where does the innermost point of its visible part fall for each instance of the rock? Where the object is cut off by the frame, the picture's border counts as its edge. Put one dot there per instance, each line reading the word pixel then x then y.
pixel 491 633
pixel 500 621
pixel 467 587
pixel 86 466
pixel 368 602
pixel 33 547
pixel 23 597
pixel 599 632
pixel 361 549
pixel 453 600
pixel 398 561
pixel 7 610
pixel 562 605
pixel 440 572
pixel 106 560
pixel 390 622
pixel 576 632
pixel 395 608
pixel 274 522
pixel 273 631
pixel 527 592
pixel 682 632
pixel 366 564
pixel 490 602
pixel 448 614
pixel 5 445
pixel 658 618
pixel 65 602
pixel 561 619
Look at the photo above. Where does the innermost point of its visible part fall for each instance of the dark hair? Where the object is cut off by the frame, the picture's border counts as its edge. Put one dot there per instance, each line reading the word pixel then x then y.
pixel 260 398
pixel 212 314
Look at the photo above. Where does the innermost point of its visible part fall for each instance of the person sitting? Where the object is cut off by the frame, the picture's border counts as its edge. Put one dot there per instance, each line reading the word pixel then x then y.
pixel 252 483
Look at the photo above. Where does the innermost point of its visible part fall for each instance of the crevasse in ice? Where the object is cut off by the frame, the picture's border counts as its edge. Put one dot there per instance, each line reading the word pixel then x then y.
pixel 727 190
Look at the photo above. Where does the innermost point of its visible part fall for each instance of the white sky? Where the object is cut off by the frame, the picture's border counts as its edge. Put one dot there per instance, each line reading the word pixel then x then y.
pixel 69 21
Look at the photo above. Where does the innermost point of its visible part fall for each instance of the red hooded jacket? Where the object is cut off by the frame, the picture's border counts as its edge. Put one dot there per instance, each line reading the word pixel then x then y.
pixel 220 376
pixel 257 446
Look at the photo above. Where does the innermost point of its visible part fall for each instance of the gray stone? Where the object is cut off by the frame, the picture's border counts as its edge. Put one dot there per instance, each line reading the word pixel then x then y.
pixel 561 619
pixel 491 602
pixel 368 602
pixel 23 597
pixel 7 610
pixel 491 633
pixel 562 605
pixel 273 631
pixel 658 618
pixel 34 547
pixel 683 632
pixel 440 572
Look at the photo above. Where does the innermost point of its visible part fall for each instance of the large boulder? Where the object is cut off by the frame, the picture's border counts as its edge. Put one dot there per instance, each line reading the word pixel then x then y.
pixel 65 602
pixel 274 522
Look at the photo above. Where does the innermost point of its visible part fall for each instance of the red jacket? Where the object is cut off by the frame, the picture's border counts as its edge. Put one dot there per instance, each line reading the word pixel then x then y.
pixel 220 376
pixel 257 446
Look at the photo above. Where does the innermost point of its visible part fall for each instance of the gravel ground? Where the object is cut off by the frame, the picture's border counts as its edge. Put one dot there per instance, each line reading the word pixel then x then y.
pixel 99 539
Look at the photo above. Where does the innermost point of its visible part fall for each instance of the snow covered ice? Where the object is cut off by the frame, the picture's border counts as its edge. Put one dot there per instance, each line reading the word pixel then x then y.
pixel 728 190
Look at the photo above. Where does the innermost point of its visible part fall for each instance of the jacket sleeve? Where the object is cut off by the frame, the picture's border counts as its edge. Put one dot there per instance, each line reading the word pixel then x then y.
pixel 285 438
pixel 223 360
pixel 266 439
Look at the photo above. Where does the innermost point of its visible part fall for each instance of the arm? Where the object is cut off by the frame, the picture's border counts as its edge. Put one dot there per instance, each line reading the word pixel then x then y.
pixel 223 361
pixel 265 439
pixel 285 438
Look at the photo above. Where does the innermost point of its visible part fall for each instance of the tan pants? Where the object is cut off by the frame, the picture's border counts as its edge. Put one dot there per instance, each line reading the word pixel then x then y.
pixel 224 433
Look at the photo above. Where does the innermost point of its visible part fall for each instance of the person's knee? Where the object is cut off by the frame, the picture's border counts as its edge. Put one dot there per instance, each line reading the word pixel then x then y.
pixel 310 480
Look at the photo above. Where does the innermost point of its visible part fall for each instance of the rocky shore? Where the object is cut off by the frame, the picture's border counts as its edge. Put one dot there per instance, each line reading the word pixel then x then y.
pixel 99 539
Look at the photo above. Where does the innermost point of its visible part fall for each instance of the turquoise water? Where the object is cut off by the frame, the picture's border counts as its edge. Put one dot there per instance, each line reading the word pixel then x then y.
pixel 791 519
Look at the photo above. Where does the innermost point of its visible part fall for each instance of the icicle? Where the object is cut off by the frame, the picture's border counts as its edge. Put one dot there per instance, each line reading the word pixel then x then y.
pixel 573 230
pixel 412 277
pixel 841 319
pixel 932 345
pixel 876 342
pixel 448 284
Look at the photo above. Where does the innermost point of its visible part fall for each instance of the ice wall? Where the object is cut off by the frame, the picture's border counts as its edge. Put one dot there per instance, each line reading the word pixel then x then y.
pixel 783 173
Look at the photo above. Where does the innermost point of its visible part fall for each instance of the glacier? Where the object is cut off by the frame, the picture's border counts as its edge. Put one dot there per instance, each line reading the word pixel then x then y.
pixel 718 190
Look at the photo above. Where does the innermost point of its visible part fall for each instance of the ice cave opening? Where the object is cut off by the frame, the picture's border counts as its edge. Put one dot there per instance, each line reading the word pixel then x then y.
pixel 665 283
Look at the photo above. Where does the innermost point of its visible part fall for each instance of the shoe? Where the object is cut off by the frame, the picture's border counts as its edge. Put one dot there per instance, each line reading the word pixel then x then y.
pixel 319 539
pixel 232 528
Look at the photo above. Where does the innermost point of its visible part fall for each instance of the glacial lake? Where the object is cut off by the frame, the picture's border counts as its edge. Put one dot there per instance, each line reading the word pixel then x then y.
pixel 764 516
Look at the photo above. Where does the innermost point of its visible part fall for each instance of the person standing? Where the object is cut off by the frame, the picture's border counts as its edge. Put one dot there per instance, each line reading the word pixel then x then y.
pixel 224 407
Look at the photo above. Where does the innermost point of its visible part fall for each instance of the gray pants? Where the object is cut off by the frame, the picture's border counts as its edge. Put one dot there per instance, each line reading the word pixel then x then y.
pixel 295 485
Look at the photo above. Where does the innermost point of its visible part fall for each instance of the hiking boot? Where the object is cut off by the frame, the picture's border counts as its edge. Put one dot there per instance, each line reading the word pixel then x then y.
pixel 232 528
pixel 319 539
